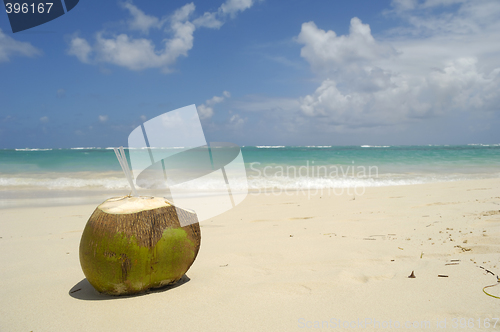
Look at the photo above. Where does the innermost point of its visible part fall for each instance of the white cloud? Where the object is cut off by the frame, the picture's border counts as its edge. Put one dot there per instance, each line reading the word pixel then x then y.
pixel 44 119
pixel 103 118
pixel 404 5
pixel 460 85
pixel 208 20
pixel 206 110
pixel 232 7
pixel 428 18
pixel 351 59
pixel 366 83
pixel 435 39
pixel 396 104
pixel 435 3
pixel 10 47
pixel 183 13
pixel 141 21
pixel 80 48
pixel 237 121
pixel 327 52
pixel 140 53
pixel 135 54
pixel 229 8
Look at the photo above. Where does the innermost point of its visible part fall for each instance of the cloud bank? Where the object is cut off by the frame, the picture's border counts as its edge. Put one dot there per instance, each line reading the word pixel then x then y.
pixel 206 110
pixel 416 73
pixel 138 54
pixel 9 47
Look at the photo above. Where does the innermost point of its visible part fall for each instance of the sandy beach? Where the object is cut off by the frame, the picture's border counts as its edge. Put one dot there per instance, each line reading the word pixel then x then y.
pixel 302 261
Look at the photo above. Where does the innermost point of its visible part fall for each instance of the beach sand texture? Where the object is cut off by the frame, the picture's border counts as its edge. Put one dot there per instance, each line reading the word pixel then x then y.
pixel 276 263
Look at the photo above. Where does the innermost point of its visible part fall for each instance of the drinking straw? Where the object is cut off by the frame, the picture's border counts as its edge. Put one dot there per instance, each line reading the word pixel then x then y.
pixel 122 159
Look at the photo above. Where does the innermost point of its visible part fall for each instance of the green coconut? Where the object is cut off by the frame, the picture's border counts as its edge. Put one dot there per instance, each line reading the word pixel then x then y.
pixel 132 244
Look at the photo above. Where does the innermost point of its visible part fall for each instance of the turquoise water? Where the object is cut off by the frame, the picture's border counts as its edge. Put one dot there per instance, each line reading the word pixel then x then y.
pixel 446 159
pixel 299 167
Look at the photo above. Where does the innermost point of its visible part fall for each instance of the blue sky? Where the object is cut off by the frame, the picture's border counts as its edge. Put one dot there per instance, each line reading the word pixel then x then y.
pixel 261 72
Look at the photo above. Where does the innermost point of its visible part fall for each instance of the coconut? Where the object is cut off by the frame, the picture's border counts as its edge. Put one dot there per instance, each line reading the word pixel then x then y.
pixel 132 244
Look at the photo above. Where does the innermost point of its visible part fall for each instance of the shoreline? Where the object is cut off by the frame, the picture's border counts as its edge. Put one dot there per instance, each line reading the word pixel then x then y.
pixel 38 196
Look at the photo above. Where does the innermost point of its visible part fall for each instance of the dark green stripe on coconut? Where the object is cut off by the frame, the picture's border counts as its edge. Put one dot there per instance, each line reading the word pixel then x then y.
pixel 132 244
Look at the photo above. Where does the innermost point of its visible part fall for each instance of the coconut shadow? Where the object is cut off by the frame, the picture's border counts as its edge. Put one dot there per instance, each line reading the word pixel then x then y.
pixel 84 291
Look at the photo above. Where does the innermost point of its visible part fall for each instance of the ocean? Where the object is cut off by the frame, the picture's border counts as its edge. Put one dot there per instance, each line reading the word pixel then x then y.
pixel 299 167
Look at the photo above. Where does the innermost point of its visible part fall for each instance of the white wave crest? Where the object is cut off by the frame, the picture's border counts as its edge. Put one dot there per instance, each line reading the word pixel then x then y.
pixel 27 149
pixel 65 183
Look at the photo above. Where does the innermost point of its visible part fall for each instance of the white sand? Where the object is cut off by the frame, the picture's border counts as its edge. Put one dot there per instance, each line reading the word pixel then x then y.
pixel 276 263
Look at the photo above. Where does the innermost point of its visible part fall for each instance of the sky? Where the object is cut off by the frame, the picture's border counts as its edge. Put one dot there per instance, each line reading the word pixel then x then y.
pixel 261 72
